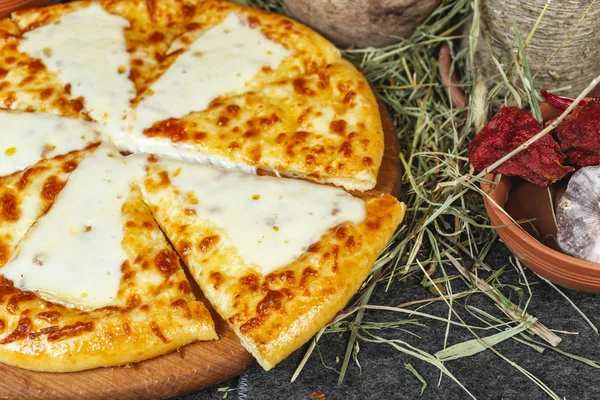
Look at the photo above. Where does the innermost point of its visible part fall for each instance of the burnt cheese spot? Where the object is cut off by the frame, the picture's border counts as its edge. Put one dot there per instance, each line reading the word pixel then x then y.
pixel 2 325
pixel 46 93
pixel 286 276
pixel 157 37
pixel 69 331
pixel 250 281
pixel 200 135
pixel 351 243
pixel 182 305
pixel 9 207
pixel 335 250
pixel 307 275
pixel 216 279
pixel 300 87
pixel 133 301
pixel 52 187
pixel 346 149
pixel 171 128
pixel 21 331
pixel 35 66
pixel 286 23
pixel 223 121
pixel 368 161
pixel 126 328
pixel 373 224
pixel 338 126
pixel 164 178
pixel 24 180
pixel 4 253
pixel 349 97
pixel 269 121
pixel 253 21
pixel 272 302
pixel 185 248
pixel 340 233
pixel 255 154
pixel 184 287
pixel 167 263
pixel 13 303
pixel 69 166
pixel 156 330
pixel 208 243
pixel 233 109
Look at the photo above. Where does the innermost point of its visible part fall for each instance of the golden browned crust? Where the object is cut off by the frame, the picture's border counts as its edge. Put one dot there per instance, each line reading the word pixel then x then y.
pixel 274 314
pixel 155 312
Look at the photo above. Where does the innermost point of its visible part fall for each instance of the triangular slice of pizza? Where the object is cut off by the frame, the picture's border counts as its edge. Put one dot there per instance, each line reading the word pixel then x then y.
pixel 277 258
pixel 102 52
pixel 26 84
pixel 245 89
pixel 93 282
pixel 28 194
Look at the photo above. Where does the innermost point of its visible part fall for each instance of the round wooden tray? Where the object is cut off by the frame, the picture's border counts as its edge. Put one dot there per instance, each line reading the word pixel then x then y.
pixel 8 6
pixel 192 367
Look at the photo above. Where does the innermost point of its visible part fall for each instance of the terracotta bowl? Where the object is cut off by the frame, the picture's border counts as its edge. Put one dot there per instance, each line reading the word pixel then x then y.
pixel 8 6
pixel 533 242
pixel 532 239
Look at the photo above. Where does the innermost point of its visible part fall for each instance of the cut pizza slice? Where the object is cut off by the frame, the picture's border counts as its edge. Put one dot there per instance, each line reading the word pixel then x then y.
pixel 240 35
pixel 277 258
pixel 324 126
pixel 94 282
pixel 25 82
pixel 102 50
pixel 294 104
pixel 27 195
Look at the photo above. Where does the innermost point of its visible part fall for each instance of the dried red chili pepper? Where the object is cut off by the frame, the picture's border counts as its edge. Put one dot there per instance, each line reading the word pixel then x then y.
pixel 541 163
pixel 578 135
pixel 561 102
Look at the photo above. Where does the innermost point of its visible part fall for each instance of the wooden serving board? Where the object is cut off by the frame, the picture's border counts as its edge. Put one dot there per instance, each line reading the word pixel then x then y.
pixel 192 367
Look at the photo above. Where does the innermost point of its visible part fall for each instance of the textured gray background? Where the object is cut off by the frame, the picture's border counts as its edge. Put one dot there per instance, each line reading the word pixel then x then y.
pixel 486 375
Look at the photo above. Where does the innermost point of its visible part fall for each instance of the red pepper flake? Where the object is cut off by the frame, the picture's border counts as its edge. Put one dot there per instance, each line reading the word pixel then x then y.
pixel 578 135
pixel 541 163
pixel 562 102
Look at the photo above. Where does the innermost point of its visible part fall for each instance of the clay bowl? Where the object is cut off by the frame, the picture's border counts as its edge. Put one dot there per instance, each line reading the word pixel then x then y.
pixel 8 6
pixel 533 238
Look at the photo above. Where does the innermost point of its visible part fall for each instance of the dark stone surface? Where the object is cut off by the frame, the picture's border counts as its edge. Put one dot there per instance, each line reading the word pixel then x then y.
pixel 486 375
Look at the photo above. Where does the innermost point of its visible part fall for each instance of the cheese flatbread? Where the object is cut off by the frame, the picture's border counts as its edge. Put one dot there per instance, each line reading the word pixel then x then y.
pixel 274 309
pixel 87 277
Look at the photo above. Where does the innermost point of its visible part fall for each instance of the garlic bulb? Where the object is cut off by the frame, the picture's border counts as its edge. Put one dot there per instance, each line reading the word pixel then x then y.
pixel 578 215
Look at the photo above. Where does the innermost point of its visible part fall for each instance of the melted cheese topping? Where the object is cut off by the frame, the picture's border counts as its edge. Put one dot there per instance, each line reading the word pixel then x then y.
pixel 87 50
pixel 219 62
pixel 73 254
pixel 29 137
pixel 271 221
